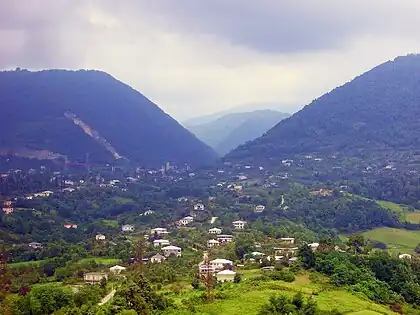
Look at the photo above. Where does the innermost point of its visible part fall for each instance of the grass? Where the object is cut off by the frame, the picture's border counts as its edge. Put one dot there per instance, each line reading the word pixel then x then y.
pixel 397 240
pixel 395 208
pixel 23 264
pixel 413 217
pixel 99 261
pixel 122 200
pixel 110 223
pixel 247 298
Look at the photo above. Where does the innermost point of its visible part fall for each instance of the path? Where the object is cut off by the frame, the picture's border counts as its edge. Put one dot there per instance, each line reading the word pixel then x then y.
pixel 282 200
pixel 107 297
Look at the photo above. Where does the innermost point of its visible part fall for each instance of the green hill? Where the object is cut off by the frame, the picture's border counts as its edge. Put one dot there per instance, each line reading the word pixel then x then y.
pixel 69 114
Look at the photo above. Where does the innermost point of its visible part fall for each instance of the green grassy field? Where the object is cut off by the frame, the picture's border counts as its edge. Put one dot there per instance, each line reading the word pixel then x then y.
pixel 23 264
pixel 99 261
pixel 110 223
pixel 413 217
pixel 247 297
pixel 398 240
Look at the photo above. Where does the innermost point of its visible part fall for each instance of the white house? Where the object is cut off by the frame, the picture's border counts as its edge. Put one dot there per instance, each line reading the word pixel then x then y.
pixel 220 263
pixel 259 209
pixel 159 231
pixel 404 256
pixel 239 225
pixel 199 207
pixel 225 276
pixel 212 243
pixel 288 240
pixel 100 237
pixel 35 245
pixel 116 270
pixel 127 228
pixel 46 193
pixel 148 212
pixel 186 220
pixel 224 238
pixel 158 258
pixel 94 277
pixel 215 231
pixel 172 250
pixel 314 246
pixel 159 243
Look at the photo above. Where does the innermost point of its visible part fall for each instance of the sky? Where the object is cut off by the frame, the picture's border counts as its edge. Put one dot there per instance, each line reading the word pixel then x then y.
pixel 196 57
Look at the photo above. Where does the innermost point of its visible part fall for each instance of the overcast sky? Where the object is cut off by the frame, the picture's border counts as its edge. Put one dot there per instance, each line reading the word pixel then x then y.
pixel 195 57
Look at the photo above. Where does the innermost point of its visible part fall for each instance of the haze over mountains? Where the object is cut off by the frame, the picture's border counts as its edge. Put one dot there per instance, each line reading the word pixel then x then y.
pixel 70 114
pixel 227 132
pixel 377 112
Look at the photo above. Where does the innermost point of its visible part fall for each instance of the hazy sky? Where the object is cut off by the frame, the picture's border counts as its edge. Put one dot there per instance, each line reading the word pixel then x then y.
pixel 196 57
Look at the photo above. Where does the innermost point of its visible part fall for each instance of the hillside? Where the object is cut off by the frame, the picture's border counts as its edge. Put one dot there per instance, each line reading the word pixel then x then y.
pixel 229 131
pixel 70 114
pixel 376 112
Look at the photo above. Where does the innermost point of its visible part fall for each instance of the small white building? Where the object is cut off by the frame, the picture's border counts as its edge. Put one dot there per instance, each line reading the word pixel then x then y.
pixel 148 212
pixel 225 276
pixel 186 220
pixel 224 238
pixel 158 231
pixel 46 193
pixel 172 250
pixel 404 256
pixel 199 207
pixel 212 243
pixel 160 243
pixel 116 270
pixel 100 237
pixel 220 263
pixel 35 245
pixel 314 246
pixel 127 228
pixel 158 258
pixel 259 209
pixel 287 240
pixel 239 225
pixel 94 277
pixel 215 231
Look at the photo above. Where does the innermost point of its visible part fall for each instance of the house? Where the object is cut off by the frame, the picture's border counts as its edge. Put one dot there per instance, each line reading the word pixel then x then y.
pixel 35 245
pixel 158 231
pixel 114 182
pixel 8 210
pixel 287 240
pixel 46 193
pixel 314 246
pixel 221 264
pixel 259 209
pixel 242 177
pixel 404 256
pixel 215 231
pixel 212 243
pixel 127 228
pixel 160 243
pixel 7 203
pixel 322 192
pixel 199 207
pixel 204 269
pixel 148 212
pixel 68 189
pixel 158 258
pixel 212 198
pixel 239 225
pixel 225 276
pixel 68 182
pixel 100 237
pixel 172 250
pixel 70 226
pixel 94 277
pixel 238 188
pixel 186 220
pixel 285 251
pixel 224 238
pixel 116 270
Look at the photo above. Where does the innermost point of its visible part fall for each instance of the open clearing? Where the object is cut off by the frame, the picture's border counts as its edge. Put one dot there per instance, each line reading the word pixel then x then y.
pixel 397 240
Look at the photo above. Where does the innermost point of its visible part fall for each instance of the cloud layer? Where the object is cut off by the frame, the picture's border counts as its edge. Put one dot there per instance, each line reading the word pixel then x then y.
pixel 196 57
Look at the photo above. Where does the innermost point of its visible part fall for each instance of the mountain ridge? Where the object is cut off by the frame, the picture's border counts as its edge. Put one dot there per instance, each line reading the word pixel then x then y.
pixel 133 125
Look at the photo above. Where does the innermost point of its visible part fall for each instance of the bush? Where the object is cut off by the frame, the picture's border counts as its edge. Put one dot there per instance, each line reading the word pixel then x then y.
pixel 283 275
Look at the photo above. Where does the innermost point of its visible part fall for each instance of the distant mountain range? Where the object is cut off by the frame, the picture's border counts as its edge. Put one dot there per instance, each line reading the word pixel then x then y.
pixel 72 114
pixel 377 112
pixel 229 131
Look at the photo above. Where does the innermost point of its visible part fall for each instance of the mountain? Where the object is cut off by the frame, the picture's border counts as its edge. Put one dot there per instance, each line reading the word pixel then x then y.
pixel 229 131
pixel 72 114
pixel 377 112
pixel 251 107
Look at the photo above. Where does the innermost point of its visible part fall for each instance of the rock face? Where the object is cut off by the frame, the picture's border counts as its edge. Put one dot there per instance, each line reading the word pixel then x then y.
pixel 377 112
pixel 74 113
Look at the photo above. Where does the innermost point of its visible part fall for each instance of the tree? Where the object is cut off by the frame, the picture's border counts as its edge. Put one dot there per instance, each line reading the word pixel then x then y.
pixel 307 256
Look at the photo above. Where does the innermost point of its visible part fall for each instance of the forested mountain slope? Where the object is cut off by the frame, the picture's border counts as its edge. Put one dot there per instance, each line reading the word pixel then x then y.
pixel 376 112
pixel 75 113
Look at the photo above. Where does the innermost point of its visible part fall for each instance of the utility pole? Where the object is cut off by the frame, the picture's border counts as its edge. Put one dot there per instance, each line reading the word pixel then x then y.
pixel 207 277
